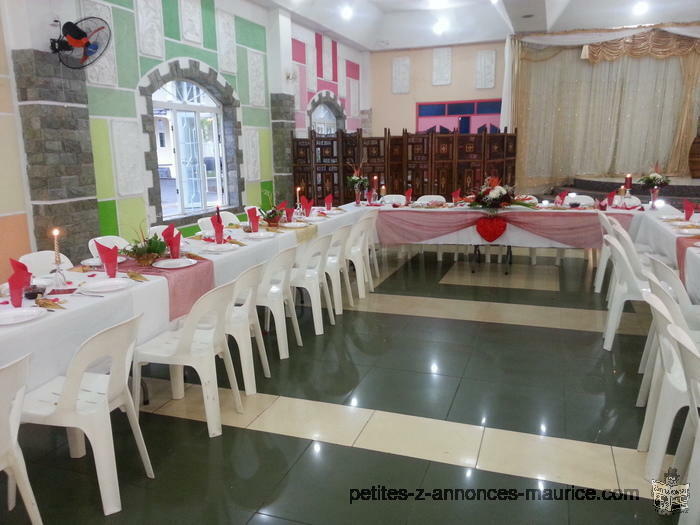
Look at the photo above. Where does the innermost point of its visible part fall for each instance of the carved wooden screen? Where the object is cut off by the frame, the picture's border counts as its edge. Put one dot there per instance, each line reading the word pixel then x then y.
pixel 431 164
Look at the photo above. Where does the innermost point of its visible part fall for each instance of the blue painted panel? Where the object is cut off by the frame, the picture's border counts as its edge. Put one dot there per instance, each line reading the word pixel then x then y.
pixel 431 110
pixel 461 108
pixel 488 108
pixel 465 125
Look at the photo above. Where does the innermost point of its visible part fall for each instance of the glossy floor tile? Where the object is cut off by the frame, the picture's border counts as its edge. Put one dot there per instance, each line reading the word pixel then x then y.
pixel 553 459
pixel 313 420
pixel 422 438
pixel 520 276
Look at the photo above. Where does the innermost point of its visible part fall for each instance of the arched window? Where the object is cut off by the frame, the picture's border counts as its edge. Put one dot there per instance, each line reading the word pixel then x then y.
pixel 191 160
pixel 323 120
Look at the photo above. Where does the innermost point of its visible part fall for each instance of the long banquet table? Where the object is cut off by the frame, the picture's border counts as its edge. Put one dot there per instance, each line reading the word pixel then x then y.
pixel 54 338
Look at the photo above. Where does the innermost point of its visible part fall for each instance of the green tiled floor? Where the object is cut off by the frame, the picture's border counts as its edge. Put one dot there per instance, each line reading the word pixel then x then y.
pixel 259 478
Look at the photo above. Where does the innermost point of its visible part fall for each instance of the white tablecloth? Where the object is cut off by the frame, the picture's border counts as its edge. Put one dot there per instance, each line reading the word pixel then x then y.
pixel 53 339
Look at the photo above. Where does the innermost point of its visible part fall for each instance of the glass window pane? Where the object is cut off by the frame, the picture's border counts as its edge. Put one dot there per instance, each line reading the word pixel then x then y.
pixel 188 151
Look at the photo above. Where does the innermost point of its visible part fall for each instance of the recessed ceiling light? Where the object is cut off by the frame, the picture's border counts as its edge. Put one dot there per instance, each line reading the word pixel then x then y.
pixel 346 12
pixel 442 25
pixel 640 8
pixel 494 2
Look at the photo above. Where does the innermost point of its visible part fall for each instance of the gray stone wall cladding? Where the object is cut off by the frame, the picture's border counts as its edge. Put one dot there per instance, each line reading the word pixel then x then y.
pixel 57 144
pixel 223 93
pixel 333 104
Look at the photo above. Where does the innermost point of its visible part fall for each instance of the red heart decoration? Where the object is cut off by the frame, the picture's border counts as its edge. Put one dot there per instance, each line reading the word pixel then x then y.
pixel 491 228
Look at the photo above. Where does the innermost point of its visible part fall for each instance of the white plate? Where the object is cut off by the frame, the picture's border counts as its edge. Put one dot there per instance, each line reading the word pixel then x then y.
pixel 294 225
pixel 679 224
pixel 105 285
pixel 669 217
pixel 96 261
pixel 689 231
pixel 173 264
pixel 20 315
pixel 220 248
pixel 315 218
pixel 334 212
pixel 257 236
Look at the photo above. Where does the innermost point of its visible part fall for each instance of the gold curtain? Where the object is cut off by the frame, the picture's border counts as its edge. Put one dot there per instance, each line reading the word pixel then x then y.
pixel 656 43
pixel 686 130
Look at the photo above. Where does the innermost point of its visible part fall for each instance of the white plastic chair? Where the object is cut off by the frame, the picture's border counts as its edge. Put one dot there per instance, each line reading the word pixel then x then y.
pixel 242 324
pixel 157 230
pixel 275 294
pixel 336 264
pixel 638 260
pixel 627 287
pixel 309 273
pixel 687 458
pixel 82 401
pixel 356 253
pixel 393 199
pixel 42 263
pixel 197 344
pixel 12 389
pixel 676 288
pixel 371 237
pixel 424 199
pixel 607 228
pixel 227 218
pixel 582 200
pixel 107 241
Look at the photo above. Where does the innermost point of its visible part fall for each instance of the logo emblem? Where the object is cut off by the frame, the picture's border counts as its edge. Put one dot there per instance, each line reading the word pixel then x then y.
pixel 669 496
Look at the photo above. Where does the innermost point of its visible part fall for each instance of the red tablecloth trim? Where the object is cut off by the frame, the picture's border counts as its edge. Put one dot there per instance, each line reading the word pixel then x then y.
pixel 682 245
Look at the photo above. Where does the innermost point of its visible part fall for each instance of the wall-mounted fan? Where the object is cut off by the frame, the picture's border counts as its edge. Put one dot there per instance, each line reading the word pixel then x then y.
pixel 82 43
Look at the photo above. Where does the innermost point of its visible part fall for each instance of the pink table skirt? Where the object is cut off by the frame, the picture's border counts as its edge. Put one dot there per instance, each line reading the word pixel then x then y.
pixel 185 285
pixel 578 229
pixel 682 245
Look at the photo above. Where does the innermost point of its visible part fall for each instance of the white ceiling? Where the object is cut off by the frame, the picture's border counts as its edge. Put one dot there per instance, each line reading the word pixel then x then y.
pixel 400 24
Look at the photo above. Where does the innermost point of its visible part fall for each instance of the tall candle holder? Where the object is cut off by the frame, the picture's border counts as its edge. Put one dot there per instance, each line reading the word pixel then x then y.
pixel 59 278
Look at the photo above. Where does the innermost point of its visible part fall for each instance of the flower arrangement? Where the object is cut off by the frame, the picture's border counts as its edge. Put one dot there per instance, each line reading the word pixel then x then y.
pixel 494 196
pixel 146 249
pixel 654 178
pixel 356 180
pixel 272 217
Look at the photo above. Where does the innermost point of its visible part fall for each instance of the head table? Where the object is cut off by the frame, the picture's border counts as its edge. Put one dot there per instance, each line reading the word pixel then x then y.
pixel 54 338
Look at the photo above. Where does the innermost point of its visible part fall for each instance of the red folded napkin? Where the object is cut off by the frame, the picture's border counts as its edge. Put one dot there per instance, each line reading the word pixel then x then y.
pixel 306 205
pixel 409 194
pixel 218 226
pixel 688 208
pixel 172 240
pixel 289 212
pixel 108 256
pixel 611 197
pixel 282 205
pixel 329 201
pixel 253 219
pixel 18 281
pixel 559 199
pixel 457 194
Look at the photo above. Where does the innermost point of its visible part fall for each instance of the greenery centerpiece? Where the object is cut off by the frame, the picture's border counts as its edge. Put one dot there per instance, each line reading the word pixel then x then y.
pixel 272 217
pixel 145 250
pixel 654 179
pixel 356 181
pixel 494 196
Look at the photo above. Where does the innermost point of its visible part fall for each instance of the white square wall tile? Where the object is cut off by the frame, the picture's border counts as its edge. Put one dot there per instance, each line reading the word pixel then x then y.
pixel 419 437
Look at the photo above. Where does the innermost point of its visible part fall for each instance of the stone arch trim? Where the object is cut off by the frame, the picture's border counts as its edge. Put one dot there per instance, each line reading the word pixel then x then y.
pixel 216 85
pixel 330 99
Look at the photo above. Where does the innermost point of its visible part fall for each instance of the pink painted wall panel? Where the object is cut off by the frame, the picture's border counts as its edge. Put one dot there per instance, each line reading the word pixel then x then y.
pixel 301 86
pixel 352 69
pixel 335 60
pixel 300 120
pixel 353 124
pixel 325 84
pixel 298 51
pixel 428 122
pixel 319 55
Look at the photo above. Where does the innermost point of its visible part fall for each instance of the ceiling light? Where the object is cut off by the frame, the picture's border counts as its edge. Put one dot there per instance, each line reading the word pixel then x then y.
pixel 442 25
pixel 640 8
pixel 346 12
pixel 494 2
pixel 438 4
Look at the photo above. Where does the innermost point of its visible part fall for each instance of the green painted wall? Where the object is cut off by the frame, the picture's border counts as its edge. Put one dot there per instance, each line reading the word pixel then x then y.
pixel 127 215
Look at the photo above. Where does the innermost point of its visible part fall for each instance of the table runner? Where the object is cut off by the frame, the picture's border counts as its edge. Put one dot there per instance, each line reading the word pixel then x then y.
pixel 682 245
pixel 185 285
pixel 574 228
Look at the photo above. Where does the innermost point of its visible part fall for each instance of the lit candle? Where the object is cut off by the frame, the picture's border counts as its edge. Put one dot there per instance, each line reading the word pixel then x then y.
pixel 382 192
pixel 628 181
pixel 298 191
pixel 57 254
